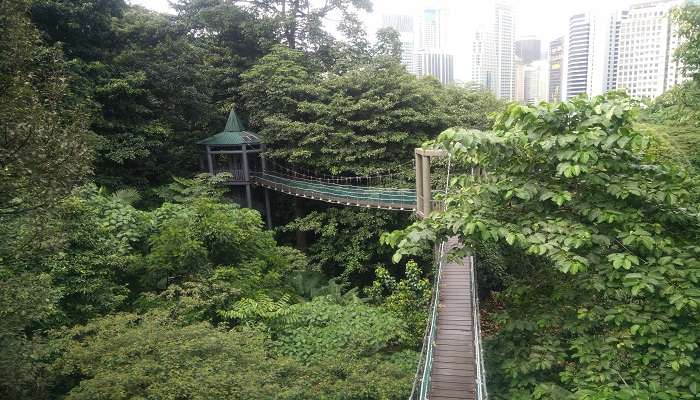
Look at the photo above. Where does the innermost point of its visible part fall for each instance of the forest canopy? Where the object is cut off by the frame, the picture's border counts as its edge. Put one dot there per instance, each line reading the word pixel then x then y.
pixel 125 272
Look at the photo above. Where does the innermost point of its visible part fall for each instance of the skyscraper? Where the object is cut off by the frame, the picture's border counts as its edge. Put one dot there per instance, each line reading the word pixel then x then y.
pixel 431 58
pixel 613 48
pixel 504 31
pixel 578 55
pixel 519 82
pixel 493 64
pixel 535 81
pixel 404 25
pixel 437 64
pixel 556 58
pixel 528 49
pixel 591 53
pixel 433 29
pixel 647 41
pixel 484 59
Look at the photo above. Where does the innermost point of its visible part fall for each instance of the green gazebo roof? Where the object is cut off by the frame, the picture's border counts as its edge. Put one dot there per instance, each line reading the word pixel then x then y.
pixel 233 134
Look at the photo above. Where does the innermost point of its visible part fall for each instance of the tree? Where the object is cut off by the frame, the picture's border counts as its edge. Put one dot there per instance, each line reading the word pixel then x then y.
pixel 609 306
pixel 345 241
pixel 152 356
pixel 82 27
pixel 688 52
pixel 299 23
pixel 161 84
pixel 27 301
pixel 389 44
pixel 408 299
pixel 44 148
pixel 351 350
pixel 364 121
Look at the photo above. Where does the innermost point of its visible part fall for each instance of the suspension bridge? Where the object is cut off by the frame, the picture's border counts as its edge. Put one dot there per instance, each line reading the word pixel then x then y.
pixel 330 192
pixel 451 364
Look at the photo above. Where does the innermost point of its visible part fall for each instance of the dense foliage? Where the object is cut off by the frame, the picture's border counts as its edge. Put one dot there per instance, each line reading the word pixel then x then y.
pixel 43 130
pixel 365 121
pixel 604 295
pixel 124 274
pixel 139 284
pixel 688 52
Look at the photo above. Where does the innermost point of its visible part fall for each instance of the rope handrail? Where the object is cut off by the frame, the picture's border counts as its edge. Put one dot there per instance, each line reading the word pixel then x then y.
pixel 420 377
pixel 314 182
pixel 380 199
pixel 334 179
pixel 348 195
pixel 481 391
pixel 330 187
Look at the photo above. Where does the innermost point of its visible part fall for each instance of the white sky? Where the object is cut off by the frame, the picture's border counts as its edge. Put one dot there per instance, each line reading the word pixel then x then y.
pixel 544 19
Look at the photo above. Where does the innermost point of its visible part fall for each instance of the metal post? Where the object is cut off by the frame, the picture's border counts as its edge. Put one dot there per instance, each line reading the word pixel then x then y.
pixel 263 162
pixel 211 161
pixel 427 193
pixel 229 158
pixel 246 177
pixel 268 210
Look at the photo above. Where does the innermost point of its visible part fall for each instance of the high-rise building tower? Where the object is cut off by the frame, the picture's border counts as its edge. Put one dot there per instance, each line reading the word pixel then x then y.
pixel 535 81
pixel 431 58
pixel 591 53
pixel 493 59
pixel 404 25
pixel 528 49
pixel 505 32
pixel 556 69
pixel 484 59
pixel 647 41
pixel 578 55
pixel 433 29
pixel 613 49
pixel 437 64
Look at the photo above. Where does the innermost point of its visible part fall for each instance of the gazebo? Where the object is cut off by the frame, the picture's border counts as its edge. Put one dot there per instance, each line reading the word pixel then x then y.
pixel 238 152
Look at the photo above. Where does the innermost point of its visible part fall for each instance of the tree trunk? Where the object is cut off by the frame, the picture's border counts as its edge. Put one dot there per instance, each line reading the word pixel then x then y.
pixel 291 31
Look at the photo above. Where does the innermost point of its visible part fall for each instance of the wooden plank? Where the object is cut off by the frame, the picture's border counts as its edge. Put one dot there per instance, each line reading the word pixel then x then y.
pixel 453 359
pixel 453 372
pixel 457 394
pixel 450 385
pixel 467 374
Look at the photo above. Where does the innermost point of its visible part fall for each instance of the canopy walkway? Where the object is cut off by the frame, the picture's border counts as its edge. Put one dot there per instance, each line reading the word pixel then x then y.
pixel 349 195
pixel 450 366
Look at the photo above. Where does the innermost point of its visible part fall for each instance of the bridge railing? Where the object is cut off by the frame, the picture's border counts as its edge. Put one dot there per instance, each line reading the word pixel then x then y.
pixel 371 197
pixel 481 392
pixel 237 175
pixel 421 383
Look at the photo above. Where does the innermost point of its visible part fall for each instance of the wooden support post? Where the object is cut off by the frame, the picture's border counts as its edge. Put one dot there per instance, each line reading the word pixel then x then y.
pixel 427 192
pixel 419 183
pixel 246 177
pixel 211 160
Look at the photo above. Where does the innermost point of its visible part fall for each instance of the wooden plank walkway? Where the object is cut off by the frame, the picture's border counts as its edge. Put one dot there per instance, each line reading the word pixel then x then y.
pixel 453 375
